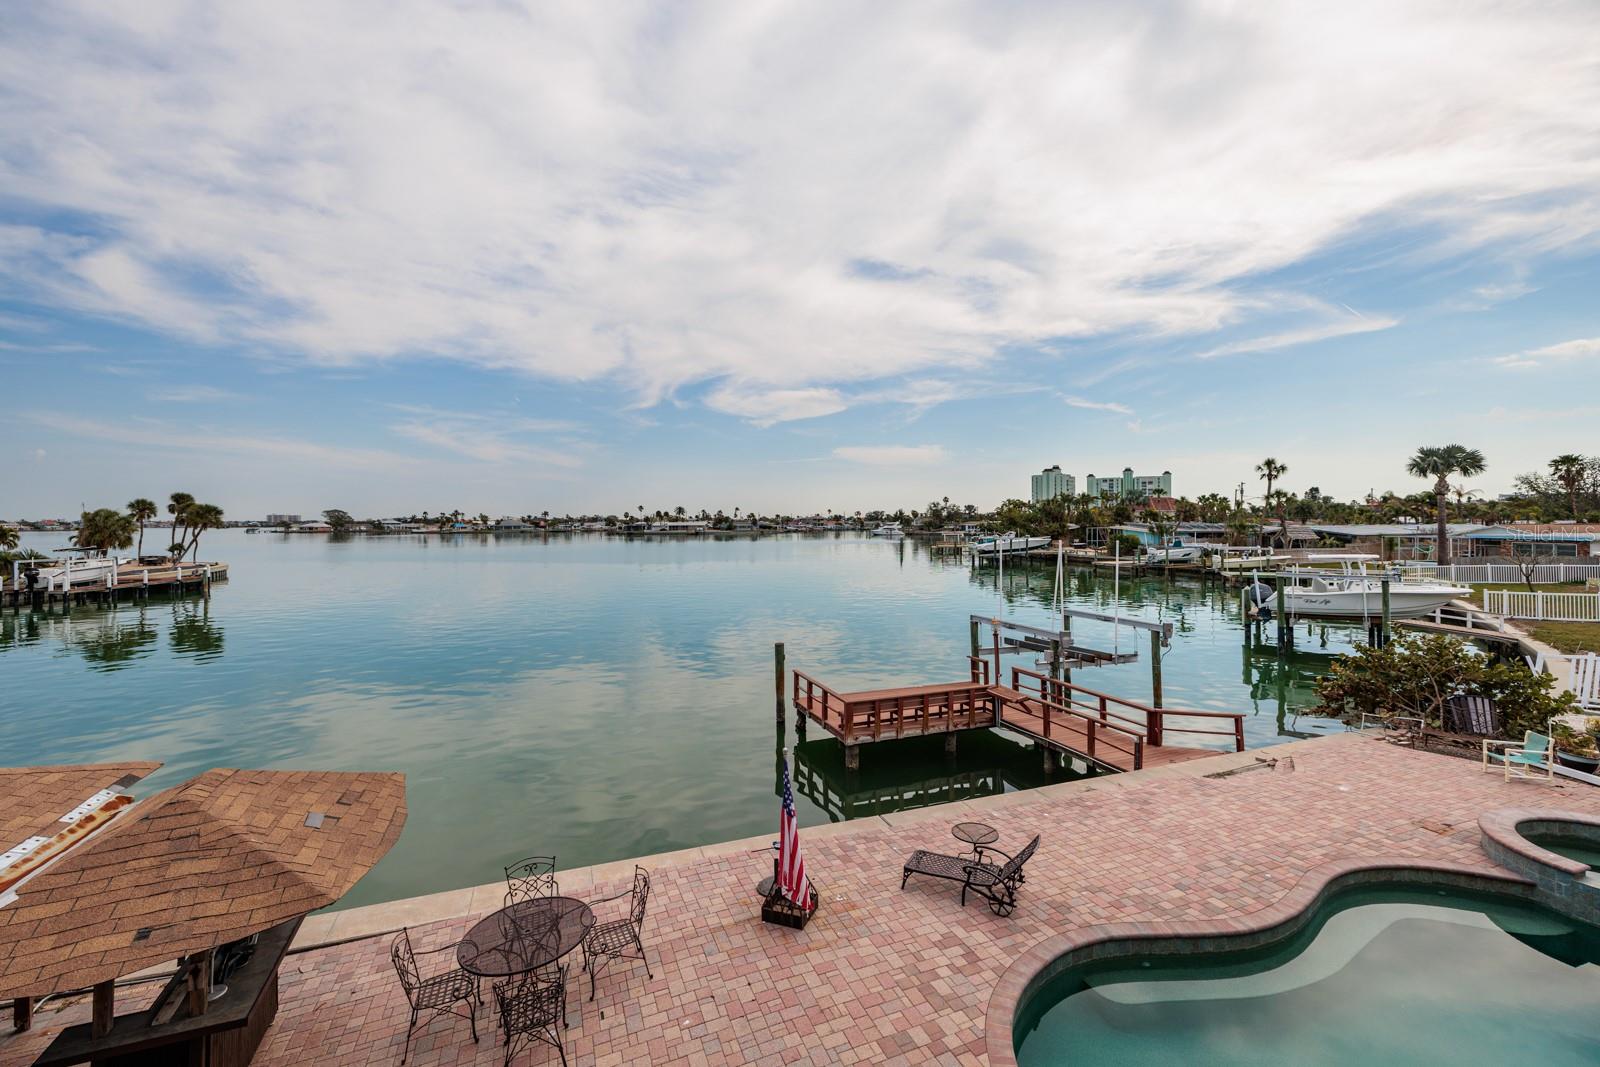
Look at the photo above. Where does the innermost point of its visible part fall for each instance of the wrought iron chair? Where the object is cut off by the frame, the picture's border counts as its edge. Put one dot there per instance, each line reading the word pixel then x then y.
pixel 996 884
pixel 619 938
pixel 438 993
pixel 533 877
pixel 533 1007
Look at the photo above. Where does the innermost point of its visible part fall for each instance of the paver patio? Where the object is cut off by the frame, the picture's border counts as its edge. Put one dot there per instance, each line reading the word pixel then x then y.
pixel 889 977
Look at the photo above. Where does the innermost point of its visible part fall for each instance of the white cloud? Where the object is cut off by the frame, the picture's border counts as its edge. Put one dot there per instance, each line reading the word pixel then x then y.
pixel 191 394
pixel 1342 327
pixel 764 407
pixel 892 455
pixel 170 437
pixel 798 199
pixel 1096 405
pixel 1580 348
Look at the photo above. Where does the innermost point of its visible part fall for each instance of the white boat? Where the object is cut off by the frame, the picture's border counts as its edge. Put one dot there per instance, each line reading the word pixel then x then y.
pixel 889 529
pixel 1356 594
pixel 1006 542
pixel 84 569
pixel 1179 551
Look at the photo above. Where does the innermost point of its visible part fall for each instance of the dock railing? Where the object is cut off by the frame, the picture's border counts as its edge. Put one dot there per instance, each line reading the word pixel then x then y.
pixel 895 714
pixel 1107 707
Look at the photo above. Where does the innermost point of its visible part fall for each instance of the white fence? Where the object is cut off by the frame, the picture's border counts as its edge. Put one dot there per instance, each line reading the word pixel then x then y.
pixel 1543 573
pixel 1543 607
pixel 1582 676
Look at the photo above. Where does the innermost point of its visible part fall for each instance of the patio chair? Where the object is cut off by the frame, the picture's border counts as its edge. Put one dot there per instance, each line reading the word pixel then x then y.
pixel 1535 760
pixel 438 992
pixel 531 878
pixel 619 938
pixel 533 1007
pixel 996 884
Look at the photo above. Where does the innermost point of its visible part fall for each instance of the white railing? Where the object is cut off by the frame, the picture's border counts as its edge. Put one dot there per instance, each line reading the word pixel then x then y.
pixel 1541 606
pixel 1586 680
pixel 1543 573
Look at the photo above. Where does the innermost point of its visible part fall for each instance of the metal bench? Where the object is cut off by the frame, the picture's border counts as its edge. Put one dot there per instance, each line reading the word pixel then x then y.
pixel 996 884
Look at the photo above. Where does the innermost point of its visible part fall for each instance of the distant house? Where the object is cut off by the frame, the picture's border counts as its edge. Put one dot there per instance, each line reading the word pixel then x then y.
pixel 1570 540
pixel 312 527
pixel 1400 540
pixel 510 524
pixel 1162 505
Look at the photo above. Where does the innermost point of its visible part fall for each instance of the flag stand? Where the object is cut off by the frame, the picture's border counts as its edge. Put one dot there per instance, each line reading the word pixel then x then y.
pixel 779 910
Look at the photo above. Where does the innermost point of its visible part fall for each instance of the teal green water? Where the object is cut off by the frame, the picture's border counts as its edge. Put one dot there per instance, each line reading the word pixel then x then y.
pixel 1388 978
pixel 594 697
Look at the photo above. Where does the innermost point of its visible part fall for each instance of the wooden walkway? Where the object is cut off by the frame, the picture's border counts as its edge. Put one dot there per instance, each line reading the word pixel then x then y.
pixel 1109 731
pixel 132 581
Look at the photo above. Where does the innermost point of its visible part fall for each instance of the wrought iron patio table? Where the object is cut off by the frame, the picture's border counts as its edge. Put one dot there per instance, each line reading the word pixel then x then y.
pixel 524 936
pixel 976 834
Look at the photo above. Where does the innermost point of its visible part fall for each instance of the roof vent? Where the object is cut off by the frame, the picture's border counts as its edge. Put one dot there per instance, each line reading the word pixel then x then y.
pixel 314 820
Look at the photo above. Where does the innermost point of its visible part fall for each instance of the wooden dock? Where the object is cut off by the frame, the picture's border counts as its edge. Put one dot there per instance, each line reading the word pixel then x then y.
pixel 1109 731
pixel 132 581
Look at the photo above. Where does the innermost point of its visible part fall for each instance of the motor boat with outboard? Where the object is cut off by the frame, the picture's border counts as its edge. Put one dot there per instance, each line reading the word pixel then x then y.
pixel 1006 542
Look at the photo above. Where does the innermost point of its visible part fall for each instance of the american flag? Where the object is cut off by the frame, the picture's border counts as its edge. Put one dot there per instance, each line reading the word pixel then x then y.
pixel 791 867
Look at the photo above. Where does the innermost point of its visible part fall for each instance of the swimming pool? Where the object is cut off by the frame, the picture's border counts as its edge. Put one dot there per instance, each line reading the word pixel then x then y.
pixel 1387 975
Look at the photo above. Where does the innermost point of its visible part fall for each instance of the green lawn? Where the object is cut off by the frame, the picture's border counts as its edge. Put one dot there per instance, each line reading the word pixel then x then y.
pixel 1563 636
pixel 1562 587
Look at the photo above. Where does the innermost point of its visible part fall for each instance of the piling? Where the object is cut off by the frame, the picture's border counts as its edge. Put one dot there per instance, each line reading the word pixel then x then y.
pixel 1155 669
pixel 777 677
pixel 1383 634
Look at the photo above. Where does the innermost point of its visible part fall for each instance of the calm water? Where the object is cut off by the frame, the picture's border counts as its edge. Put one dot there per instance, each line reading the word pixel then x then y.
pixel 1402 981
pixel 594 697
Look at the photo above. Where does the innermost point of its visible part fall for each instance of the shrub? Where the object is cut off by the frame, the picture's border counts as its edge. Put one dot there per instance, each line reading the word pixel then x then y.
pixel 1415 674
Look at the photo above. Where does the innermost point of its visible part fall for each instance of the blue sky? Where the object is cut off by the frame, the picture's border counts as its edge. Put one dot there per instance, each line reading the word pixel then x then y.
pixel 785 256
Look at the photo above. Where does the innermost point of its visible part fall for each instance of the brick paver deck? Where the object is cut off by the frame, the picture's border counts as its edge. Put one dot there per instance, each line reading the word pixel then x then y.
pixel 889 977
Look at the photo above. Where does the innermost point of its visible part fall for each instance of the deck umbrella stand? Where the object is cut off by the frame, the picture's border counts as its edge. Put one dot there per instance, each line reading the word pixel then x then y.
pixel 217 873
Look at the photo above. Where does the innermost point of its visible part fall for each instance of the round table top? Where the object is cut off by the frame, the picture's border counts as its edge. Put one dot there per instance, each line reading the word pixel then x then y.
pixel 975 833
pixel 524 936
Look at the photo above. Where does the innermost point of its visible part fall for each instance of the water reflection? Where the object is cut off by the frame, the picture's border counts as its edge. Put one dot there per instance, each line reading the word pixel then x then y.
pixel 193 633
pixel 916 772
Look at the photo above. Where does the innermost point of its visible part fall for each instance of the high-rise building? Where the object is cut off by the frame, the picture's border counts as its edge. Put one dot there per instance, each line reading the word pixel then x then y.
pixel 1051 483
pixel 1130 486
pixel 282 520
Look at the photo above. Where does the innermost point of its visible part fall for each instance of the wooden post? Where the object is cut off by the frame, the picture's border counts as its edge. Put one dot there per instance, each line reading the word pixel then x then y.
pixel 1155 668
pixel 105 1009
pixel 852 757
pixel 1383 632
pixel 22 1014
pixel 199 982
pixel 972 628
pixel 777 677
pixel 1283 617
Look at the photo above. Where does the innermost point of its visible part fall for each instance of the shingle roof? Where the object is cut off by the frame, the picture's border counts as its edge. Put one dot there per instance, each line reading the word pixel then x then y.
pixel 33 799
pixel 223 856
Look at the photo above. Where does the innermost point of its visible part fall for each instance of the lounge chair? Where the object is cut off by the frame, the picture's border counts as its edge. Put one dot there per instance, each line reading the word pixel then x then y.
pixel 1534 760
pixel 996 884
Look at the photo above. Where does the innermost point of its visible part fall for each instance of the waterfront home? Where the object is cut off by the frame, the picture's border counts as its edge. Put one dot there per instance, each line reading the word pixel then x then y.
pixel 512 525
pixel 1400 540
pixel 311 527
pixel 679 526
pixel 1569 540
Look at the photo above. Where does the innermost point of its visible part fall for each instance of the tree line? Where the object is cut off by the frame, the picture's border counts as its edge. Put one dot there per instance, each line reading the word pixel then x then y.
pixel 109 529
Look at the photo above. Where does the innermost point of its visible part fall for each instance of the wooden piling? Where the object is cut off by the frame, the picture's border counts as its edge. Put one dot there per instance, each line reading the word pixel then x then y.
pixel 1383 633
pixel 1155 668
pixel 777 677
pixel 22 1014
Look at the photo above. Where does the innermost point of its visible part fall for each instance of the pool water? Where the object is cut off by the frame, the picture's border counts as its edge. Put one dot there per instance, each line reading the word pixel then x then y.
pixel 1384 977
pixel 1581 851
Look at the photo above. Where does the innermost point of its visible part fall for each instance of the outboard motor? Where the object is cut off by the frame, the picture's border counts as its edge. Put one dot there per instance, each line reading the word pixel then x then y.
pixel 1259 596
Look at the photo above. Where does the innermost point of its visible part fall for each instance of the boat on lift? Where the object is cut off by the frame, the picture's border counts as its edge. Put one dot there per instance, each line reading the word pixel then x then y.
pixel 1179 551
pixel 81 566
pixel 889 529
pixel 1006 542
pixel 1354 592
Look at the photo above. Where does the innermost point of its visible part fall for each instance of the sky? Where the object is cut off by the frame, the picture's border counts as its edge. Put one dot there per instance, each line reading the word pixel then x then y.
pixel 786 256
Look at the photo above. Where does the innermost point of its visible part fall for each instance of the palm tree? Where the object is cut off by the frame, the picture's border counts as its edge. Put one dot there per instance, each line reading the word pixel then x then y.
pixel 8 537
pixel 104 529
pixel 141 511
pixel 1569 470
pixel 178 505
pixel 1439 462
pixel 1271 470
pixel 202 517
